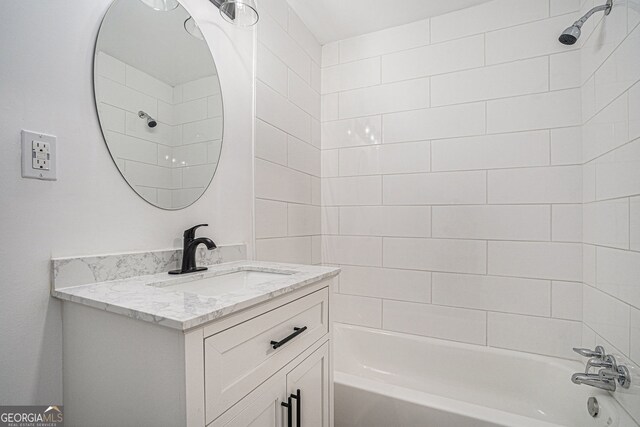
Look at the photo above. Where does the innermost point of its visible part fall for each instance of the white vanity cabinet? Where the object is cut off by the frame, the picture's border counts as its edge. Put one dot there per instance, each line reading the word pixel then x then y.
pixel 310 381
pixel 238 358
pixel 307 378
pixel 127 372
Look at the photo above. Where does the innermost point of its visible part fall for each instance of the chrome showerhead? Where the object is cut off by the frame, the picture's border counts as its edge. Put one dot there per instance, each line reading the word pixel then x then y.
pixel 151 122
pixel 571 34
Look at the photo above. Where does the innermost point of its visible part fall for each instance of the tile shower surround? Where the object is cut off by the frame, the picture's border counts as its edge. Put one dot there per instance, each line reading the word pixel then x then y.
pixel 478 179
pixel 610 87
pixel 452 178
pixel 287 138
pixel 515 227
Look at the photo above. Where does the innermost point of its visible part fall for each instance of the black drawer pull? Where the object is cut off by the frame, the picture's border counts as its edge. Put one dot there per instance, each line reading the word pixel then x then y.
pixel 297 331
pixel 289 407
pixel 298 398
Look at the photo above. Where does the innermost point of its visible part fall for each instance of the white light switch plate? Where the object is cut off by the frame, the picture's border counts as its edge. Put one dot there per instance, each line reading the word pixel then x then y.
pixel 38 156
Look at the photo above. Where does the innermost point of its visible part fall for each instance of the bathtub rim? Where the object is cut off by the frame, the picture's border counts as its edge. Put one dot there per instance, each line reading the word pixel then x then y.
pixel 555 361
pixel 340 377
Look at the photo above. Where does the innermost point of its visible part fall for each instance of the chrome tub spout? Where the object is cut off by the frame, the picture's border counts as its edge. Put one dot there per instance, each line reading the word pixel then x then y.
pixel 594 380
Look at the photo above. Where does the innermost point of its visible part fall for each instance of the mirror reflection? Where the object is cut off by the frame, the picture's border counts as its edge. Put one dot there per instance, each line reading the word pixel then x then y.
pixel 159 100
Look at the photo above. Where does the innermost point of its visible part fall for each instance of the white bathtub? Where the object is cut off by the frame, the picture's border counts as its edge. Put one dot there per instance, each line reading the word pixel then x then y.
pixel 386 379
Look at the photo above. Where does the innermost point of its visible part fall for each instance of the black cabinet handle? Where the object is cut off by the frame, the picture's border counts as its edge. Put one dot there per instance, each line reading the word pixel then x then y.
pixel 288 405
pixel 298 399
pixel 297 331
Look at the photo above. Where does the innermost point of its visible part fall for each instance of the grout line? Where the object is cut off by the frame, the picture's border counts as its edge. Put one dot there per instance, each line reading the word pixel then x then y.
pixel 486 117
pixel 486 186
pixel 570 16
pixel 382 137
pixel 595 286
pixel 431 221
pixel 469 239
pixel 173 168
pixel 308 83
pixel 448 105
pixel 550 145
pixel 486 328
pixel 631 341
pixel 608 104
pixel 454 272
pixel 438 139
pixel 611 151
pixel 448 171
pixel 486 273
pixel 503 132
pixel 287 220
pixel 450 72
pixel 307 174
pixel 486 311
pixel 629 224
pixel 551 301
pixel 452 205
pixel 549 74
pixel 551 223
pixel 484 49
pixel 465 239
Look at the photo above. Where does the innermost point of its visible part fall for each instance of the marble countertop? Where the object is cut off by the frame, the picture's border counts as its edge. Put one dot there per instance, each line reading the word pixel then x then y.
pixel 150 297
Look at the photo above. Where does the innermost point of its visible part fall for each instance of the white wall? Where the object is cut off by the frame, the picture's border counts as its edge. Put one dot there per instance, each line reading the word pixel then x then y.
pixel 287 152
pixel 611 153
pixel 451 177
pixel 46 84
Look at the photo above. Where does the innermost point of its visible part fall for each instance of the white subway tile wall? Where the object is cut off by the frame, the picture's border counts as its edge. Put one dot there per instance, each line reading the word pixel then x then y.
pixel 533 334
pixel 478 181
pixel 610 71
pixel 288 161
pixel 173 163
pixel 452 177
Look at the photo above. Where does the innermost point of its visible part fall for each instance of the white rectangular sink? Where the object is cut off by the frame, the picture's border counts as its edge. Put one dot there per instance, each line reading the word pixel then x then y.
pixel 222 283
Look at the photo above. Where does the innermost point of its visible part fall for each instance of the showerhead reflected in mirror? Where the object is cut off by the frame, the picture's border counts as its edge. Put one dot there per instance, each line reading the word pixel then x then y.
pixel 159 101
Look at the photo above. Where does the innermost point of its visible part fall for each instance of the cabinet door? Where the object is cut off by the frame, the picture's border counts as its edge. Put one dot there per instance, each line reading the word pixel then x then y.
pixel 241 357
pixel 261 408
pixel 311 377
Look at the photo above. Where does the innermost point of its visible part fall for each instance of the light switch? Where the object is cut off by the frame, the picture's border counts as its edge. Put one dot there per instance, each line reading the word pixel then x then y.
pixel 38 156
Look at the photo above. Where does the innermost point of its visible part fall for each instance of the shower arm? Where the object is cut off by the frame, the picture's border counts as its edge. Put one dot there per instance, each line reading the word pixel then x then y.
pixel 605 7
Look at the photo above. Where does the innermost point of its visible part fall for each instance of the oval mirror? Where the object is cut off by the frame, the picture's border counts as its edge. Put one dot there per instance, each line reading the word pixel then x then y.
pixel 159 100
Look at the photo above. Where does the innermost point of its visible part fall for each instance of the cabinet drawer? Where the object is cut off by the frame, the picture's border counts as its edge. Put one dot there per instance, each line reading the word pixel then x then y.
pixel 241 357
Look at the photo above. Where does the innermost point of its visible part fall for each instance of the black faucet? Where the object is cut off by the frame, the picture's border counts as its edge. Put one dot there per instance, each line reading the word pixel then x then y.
pixel 189 251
